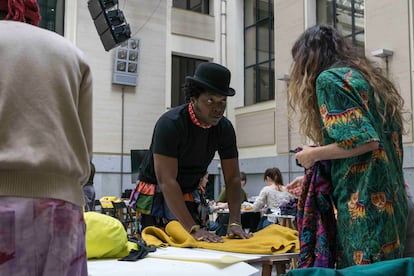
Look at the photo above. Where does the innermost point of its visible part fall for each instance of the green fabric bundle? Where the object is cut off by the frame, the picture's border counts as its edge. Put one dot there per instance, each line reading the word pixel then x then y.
pixel 397 267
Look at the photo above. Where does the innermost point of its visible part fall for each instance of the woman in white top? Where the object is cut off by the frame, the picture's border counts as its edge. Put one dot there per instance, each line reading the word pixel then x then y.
pixel 273 194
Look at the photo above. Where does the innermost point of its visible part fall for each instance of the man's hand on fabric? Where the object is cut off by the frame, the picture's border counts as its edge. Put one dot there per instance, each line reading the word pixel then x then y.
pixel 203 235
pixel 236 231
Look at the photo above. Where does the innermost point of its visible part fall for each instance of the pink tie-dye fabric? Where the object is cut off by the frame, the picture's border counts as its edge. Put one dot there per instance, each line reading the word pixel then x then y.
pixel 41 237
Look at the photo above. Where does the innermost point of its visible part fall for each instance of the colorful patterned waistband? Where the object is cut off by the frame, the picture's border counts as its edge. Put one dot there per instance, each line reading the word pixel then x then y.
pixel 147 198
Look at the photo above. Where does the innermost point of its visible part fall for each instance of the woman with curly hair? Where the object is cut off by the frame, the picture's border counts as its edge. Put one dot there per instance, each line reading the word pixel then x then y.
pixel 353 114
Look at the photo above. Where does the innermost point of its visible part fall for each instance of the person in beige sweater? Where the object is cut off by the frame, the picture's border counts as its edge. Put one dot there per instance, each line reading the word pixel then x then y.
pixel 45 146
pixel 273 195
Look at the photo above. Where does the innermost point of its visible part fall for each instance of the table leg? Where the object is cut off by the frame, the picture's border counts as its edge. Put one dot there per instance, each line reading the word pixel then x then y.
pixel 137 225
pixel 294 263
pixel 267 268
pixel 280 265
pixel 280 268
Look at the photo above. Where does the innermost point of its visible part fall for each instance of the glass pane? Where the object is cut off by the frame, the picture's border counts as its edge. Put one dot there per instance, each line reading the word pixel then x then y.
pixel 195 5
pixel 249 86
pixel 250 46
pixel 272 41
pixel 206 7
pixel 181 67
pixel 259 50
pixel 52 12
pixel 360 41
pixel 272 80
pixel 265 84
pixel 201 6
pixel 324 12
pixel 263 41
pixel 175 81
pixel 249 12
pixel 348 19
pixel 359 16
pixel 263 9
pixel 48 11
pixel 359 6
pixel 344 17
pixel 182 4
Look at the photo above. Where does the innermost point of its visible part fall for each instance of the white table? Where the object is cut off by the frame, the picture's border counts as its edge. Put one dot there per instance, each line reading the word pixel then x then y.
pixel 190 261
pixel 178 261
pixel 266 261
pixel 242 211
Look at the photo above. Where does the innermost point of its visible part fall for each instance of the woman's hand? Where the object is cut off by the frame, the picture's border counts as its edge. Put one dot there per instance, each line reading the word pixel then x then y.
pixel 211 203
pixel 307 157
pixel 203 235
pixel 236 231
pixel 295 187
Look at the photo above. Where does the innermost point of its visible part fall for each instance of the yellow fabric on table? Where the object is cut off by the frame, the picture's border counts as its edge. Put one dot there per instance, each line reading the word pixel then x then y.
pixel 273 239
pixel 106 237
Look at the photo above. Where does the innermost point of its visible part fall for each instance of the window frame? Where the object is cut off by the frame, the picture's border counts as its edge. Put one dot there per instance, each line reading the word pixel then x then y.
pixel 190 5
pixel 257 65
pixel 335 22
pixel 53 15
pixel 186 67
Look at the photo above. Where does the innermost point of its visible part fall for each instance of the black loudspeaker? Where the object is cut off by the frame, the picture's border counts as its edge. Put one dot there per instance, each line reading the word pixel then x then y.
pixel 126 63
pixel 109 22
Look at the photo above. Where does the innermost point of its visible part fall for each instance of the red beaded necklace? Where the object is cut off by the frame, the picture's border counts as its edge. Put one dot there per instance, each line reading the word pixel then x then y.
pixel 194 118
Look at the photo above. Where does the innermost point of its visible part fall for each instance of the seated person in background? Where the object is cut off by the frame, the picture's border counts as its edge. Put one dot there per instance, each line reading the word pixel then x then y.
pixel 220 225
pixel 243 181
pixel 272 195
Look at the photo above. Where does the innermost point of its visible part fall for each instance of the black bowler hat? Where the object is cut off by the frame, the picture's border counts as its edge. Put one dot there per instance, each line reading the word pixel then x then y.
pixel 214 77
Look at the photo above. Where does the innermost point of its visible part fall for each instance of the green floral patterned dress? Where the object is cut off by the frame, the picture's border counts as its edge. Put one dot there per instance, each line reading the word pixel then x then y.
pixel 369 189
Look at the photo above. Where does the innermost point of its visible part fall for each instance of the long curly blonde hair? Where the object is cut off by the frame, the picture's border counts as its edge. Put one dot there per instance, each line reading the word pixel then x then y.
pixel 319 48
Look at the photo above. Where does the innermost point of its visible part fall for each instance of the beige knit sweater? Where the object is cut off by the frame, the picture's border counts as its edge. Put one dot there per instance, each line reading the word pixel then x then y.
pixel 45 114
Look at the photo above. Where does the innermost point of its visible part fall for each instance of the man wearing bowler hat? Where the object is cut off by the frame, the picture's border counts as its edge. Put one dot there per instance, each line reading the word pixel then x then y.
pixel 184 142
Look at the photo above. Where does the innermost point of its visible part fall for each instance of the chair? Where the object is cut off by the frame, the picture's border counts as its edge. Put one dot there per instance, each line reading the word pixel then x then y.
pixel 125 216
pixel 97 206
pixel 107 207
